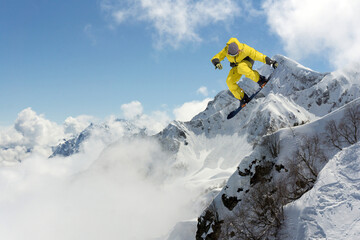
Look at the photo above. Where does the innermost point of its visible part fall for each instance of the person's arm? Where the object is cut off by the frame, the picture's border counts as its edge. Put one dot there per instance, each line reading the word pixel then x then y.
pixel 253 54
pixel 219 57
pixel 258 56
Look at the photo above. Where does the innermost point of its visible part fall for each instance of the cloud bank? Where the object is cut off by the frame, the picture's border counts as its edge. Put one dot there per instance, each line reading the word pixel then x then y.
pixel 34 134
pixel 122 193
pixel 114 187
pixel 153 122
pixel 322 27
pixel 132 109
pixel 189 109
pixel 174 21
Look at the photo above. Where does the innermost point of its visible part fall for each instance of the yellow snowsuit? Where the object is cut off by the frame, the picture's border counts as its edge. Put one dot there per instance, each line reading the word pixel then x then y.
pixel 244 62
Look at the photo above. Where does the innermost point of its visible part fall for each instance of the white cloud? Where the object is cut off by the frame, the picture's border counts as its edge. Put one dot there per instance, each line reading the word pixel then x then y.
pixel 132 109
pixel 34 134
pixel 9 136
pixel 203 91
pixel 175 21
pixel 36 129
pixel 109 189
pixel 188 110
pixel 153 122
pixel 322 27
pixel 111 196
pixel 30 133
pixel 74 125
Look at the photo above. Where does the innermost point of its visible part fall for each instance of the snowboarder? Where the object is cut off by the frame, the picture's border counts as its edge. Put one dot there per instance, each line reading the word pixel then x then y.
pixel 241 58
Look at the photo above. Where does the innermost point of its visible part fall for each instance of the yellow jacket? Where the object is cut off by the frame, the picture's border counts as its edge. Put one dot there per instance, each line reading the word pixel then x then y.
pixel 245 51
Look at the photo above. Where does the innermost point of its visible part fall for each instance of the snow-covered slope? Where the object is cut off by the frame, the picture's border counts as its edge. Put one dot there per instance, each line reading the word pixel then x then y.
pixel 261 167
pixel 319 93
pixel 331 210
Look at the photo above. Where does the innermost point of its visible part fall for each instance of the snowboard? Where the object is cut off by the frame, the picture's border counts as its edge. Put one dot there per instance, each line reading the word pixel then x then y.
pixel 236 111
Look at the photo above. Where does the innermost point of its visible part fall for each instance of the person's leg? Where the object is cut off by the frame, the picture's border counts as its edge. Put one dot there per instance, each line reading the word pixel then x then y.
pixel 232 80
pixel 245 68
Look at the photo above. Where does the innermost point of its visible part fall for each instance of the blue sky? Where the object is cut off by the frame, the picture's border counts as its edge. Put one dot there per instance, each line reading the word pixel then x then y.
pixel 70 58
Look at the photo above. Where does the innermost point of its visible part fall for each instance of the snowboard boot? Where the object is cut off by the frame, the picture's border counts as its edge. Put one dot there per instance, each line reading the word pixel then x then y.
pixel 262 81
pixel 244 100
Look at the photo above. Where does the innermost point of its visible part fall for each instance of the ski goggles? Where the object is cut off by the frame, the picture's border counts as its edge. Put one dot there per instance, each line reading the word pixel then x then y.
pixel 234 55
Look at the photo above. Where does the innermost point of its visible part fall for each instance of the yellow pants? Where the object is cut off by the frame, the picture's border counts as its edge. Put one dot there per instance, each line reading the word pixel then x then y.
pixel 243 68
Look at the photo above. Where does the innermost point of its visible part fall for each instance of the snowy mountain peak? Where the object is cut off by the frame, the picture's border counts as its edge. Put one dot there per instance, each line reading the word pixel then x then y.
pixel 319 93
pixel 108 132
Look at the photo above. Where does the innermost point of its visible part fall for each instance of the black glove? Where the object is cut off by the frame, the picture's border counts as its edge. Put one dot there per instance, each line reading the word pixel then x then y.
pixel 218 66
pixel 271 62
pixel 216 63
